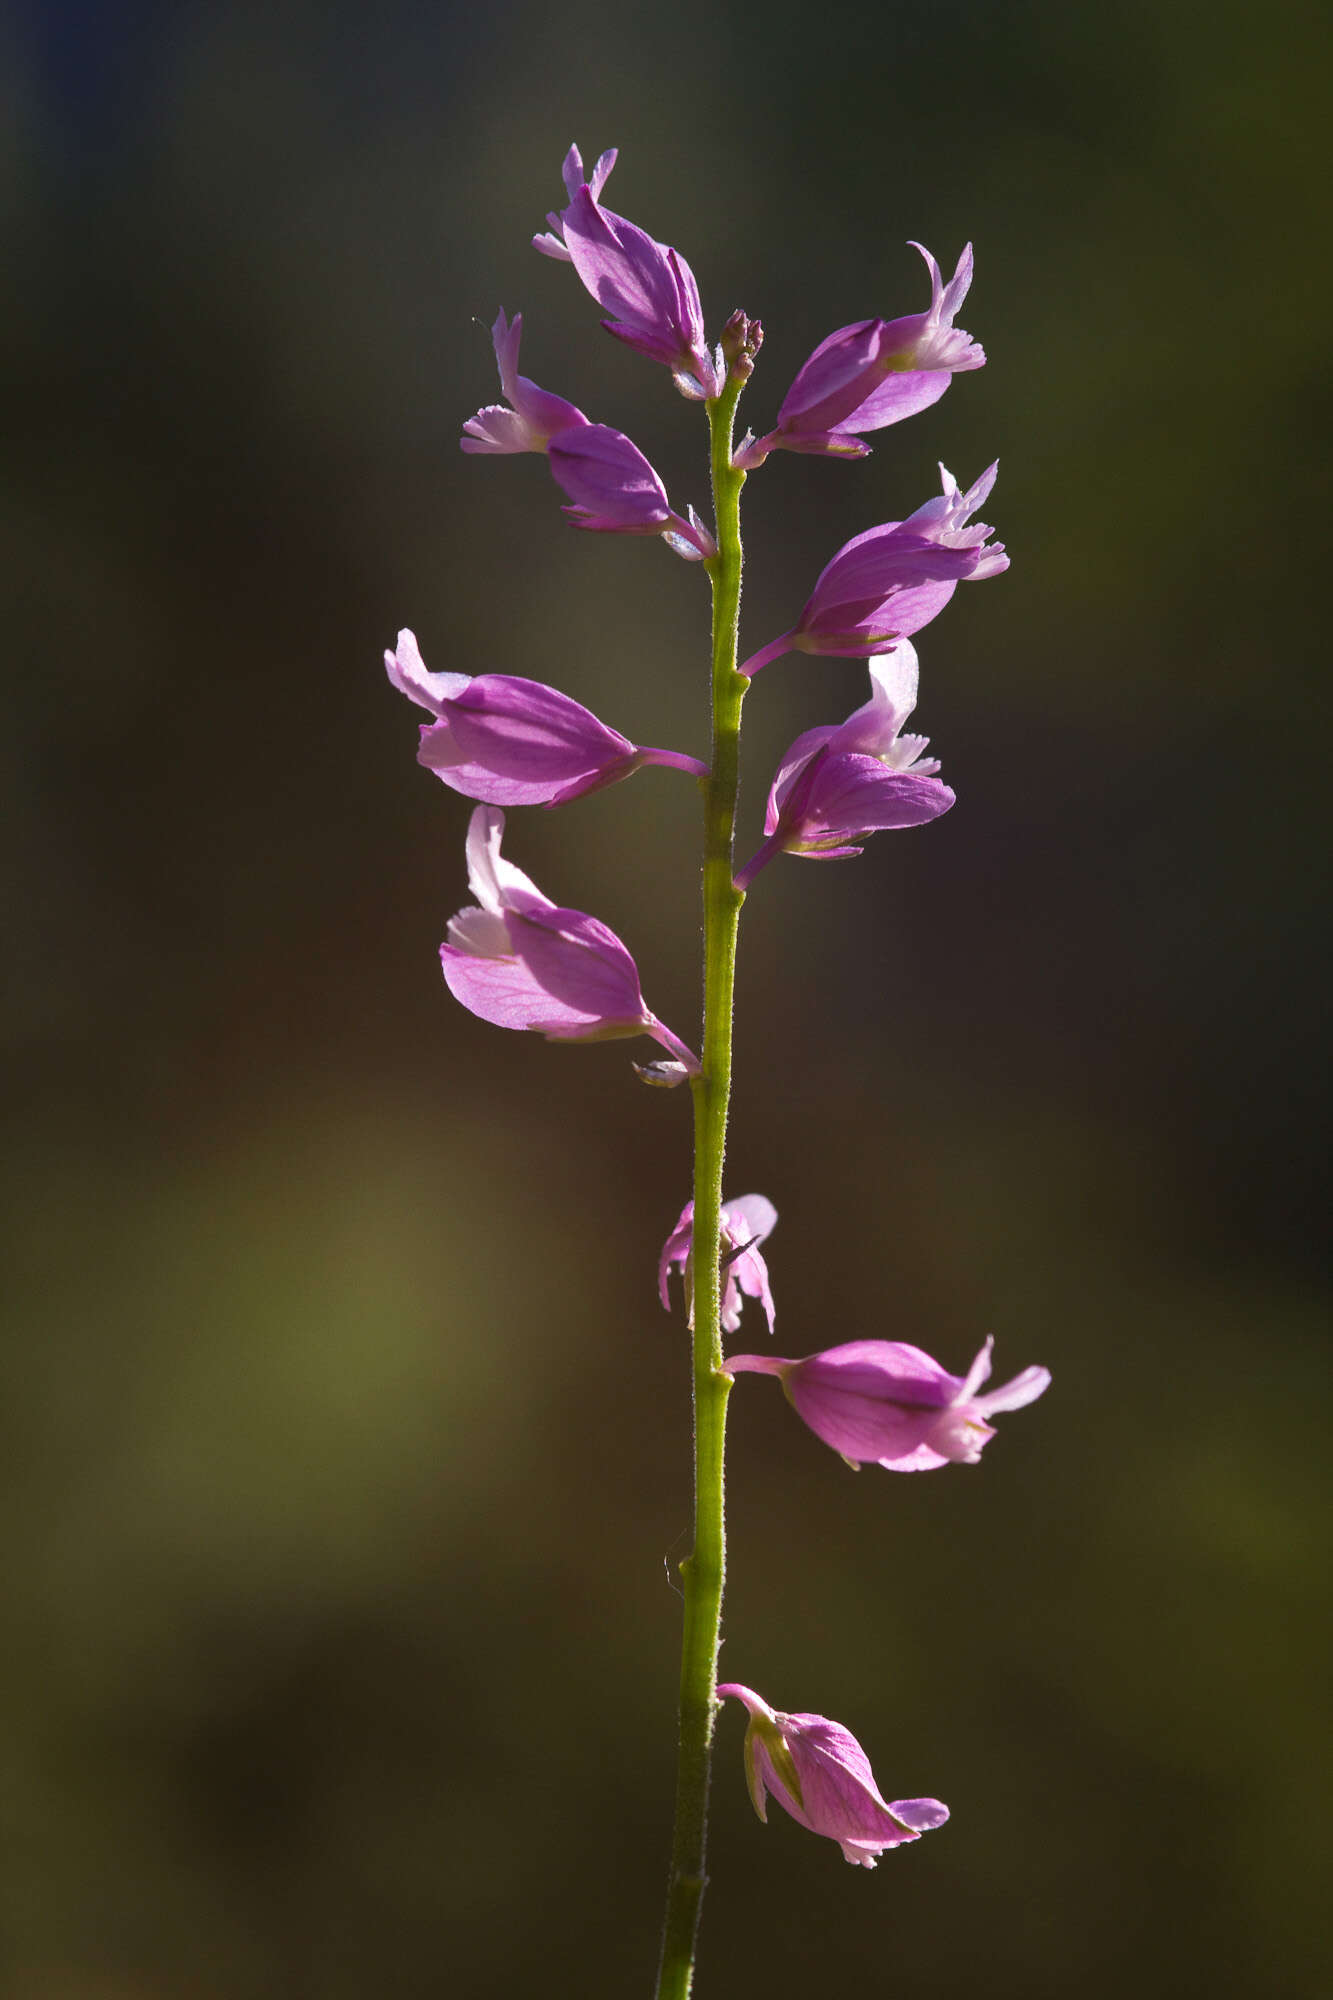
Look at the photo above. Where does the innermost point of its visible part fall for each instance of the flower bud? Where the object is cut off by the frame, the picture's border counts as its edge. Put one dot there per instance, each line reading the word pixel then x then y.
pixel 747 1221
pixel 742 338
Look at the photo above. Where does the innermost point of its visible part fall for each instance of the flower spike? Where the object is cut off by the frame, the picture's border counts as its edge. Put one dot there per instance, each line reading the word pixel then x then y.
pixel 516 959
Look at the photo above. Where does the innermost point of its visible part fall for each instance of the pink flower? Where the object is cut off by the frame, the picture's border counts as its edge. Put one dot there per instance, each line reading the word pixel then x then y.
pixel 536 416
pixel 646 286
pixel 881 1402
pixel 519 961
pixel 838 785
pixel 930 341
pixel 572 174
pixel 746 1222
pixel 889 582
pixel 616 492
pixel 873 373
pixel 513 742
pixel 818 1772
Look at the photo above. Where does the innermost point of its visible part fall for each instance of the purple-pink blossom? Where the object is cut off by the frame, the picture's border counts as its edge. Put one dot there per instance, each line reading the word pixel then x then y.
pixel 534 417
pixel 518 960
pixel 552 244
pixel 930 341
pixel 515 742
pixel 839 784
pixel 746 1221
pixel 818 1772
pixel 647 287
pixel 881 1402
pixel 887 583
pixel 616 491
pixel 873 373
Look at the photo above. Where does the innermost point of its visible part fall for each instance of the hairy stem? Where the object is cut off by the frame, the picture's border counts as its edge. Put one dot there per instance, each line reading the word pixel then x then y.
pixel 703 1571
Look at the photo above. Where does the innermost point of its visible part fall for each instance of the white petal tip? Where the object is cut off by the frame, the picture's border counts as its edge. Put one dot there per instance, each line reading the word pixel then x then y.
pixel 661 1075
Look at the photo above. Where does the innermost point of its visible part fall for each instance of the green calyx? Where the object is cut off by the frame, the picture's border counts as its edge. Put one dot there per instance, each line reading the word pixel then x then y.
pixel 779 1756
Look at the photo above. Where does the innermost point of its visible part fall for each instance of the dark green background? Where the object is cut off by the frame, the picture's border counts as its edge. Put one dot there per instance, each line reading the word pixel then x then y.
pixel 345 1440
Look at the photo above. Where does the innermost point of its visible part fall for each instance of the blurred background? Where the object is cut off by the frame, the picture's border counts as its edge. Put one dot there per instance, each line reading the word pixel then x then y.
pixel 346 1442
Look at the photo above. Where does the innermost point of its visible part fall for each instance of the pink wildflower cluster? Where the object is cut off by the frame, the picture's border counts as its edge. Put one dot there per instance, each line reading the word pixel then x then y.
pixel 518 960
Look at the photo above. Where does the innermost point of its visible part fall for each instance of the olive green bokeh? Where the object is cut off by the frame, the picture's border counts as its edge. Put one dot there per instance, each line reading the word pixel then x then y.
pixel 347 1451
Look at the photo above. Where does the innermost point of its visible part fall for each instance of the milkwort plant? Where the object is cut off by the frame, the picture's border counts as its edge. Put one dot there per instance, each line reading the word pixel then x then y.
pixel 519 960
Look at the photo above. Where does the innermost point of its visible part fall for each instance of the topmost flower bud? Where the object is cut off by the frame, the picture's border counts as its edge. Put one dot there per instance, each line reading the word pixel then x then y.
pixel 873 373
pixel 742 338
pixel 647 286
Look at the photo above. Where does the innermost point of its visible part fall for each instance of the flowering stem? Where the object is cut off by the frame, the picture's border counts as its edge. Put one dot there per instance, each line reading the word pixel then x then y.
pixel 703 1570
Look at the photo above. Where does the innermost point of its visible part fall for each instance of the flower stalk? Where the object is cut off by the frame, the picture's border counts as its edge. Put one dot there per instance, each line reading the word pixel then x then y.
pixel 703 1572
pixel 521 961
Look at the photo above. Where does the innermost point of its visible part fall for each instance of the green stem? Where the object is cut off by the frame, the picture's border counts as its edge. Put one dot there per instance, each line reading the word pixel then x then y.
pixel 703 1572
